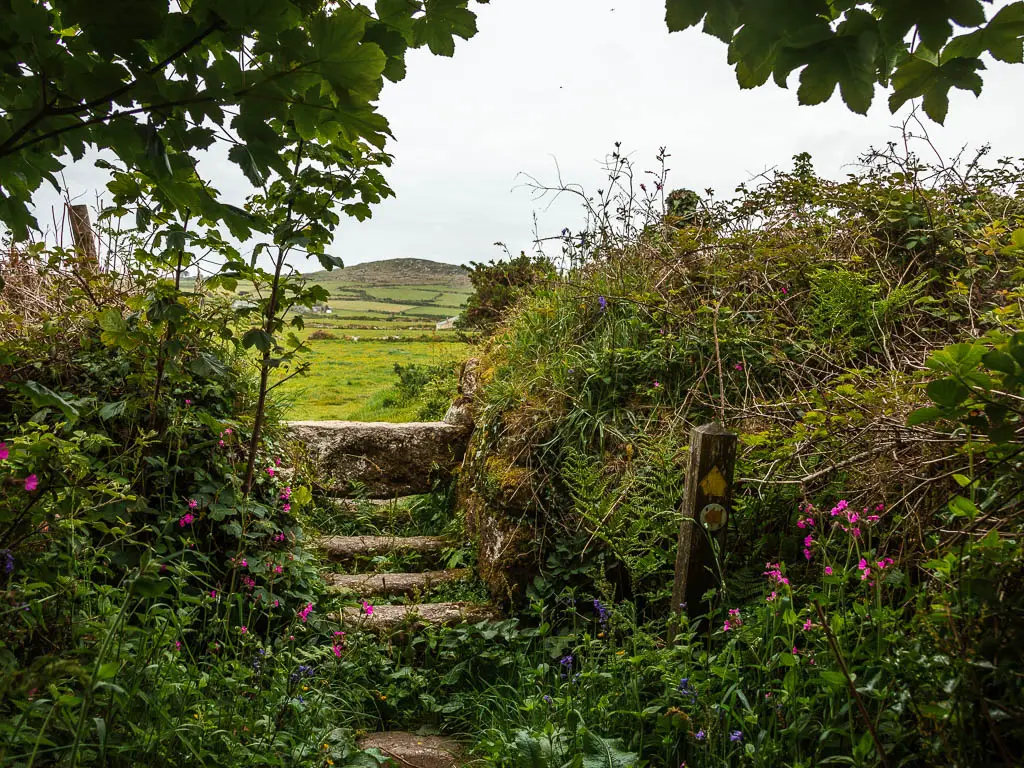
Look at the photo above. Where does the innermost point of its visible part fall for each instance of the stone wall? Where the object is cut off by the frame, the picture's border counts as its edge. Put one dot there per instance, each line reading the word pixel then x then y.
pixel 388 460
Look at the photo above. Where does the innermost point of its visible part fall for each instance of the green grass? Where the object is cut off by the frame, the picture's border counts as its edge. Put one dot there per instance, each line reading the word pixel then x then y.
pixel 409 294
pixel 367 306
pixel 438 312
pixel 351 380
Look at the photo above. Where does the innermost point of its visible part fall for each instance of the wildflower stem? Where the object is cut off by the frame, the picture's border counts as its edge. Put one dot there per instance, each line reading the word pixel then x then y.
pixel 849 681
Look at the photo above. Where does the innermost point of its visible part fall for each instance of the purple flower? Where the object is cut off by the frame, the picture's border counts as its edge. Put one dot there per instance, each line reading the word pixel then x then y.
pixel 602 612
pixel 4 453
pixel 31 483
pixel 700 735
pixel 8 560
pixel 603 302
pixel 685 689
pixel 736 736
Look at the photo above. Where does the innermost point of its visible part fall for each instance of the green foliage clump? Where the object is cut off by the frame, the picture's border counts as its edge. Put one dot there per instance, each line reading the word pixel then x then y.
pixel 158 612
pixel 798 314
pixel 498 285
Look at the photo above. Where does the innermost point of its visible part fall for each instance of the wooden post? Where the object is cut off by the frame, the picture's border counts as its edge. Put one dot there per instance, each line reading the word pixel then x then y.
pixel 81 232
pixel 707 505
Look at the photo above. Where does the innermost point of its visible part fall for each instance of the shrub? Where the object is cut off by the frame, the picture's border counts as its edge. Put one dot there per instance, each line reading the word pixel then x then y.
pixel 799 314
pixel 155 610
pixel 498 285
pixel 321 335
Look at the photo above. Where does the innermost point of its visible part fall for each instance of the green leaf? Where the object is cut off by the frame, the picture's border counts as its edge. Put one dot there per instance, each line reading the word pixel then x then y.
pixel 683 14
pixel 961 506
pixel 112 410
pixel 44 397
pixel 149 586
pixel 924 416
pixel 1000 361
pixel 833 678
pixel 257 337
pixel 606 753
pixel 947 392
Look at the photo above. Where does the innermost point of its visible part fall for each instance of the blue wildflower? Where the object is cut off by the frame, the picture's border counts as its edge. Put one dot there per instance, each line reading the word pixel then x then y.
pixel 602 612
pixel 736 736
pixel 700 735
pixel 685 689
pixel 603 302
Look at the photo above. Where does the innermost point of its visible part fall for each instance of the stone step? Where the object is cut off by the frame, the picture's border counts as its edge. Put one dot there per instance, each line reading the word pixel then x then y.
pixel 411 750
pixel 349 547
pixel 390 584
pixel 386 459
pixel 386 618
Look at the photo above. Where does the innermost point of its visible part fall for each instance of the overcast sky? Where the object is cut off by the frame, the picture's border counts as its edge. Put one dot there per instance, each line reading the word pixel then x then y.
pixel 548 80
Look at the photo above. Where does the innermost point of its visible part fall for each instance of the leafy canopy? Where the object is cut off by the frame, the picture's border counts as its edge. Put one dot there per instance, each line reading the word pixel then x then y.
pixel 916 48
pixel 156 83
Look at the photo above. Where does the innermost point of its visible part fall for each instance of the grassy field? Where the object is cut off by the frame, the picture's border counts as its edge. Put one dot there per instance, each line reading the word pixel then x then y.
pixel 354 379
pixel 382 313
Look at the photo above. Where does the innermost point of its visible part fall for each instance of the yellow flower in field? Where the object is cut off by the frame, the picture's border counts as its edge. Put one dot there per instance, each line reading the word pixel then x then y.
pixel 327 746
pixel 620 653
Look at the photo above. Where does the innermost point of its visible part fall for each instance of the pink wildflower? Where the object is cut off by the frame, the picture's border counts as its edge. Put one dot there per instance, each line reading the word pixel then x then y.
pixel 807 625
pixel 367 608
pixel 177 645
pixel 188 519
pixel 785 290
pixel 227 431
pixel 31 483
pixel 270 471
pixel 771 597
pixel 4 453
pixel 213 594
pixel 774 573
pixel 278 569
pixel 245 563
pixel 727 626
pixel 828 570
pixel 221 443
pixel 286 507
pixel 277 603
pixel 192 503
pixel 304 613
pixel 187 401
pixel 657 384
pixel 738 366
pixel 243 630
pixel 286 494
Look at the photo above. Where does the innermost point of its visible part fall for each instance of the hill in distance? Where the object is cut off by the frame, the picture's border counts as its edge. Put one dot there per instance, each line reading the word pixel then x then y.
pixel 395 272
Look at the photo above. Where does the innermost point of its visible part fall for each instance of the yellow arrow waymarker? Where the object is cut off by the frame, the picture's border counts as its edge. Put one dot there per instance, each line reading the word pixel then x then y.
pixel 713 483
